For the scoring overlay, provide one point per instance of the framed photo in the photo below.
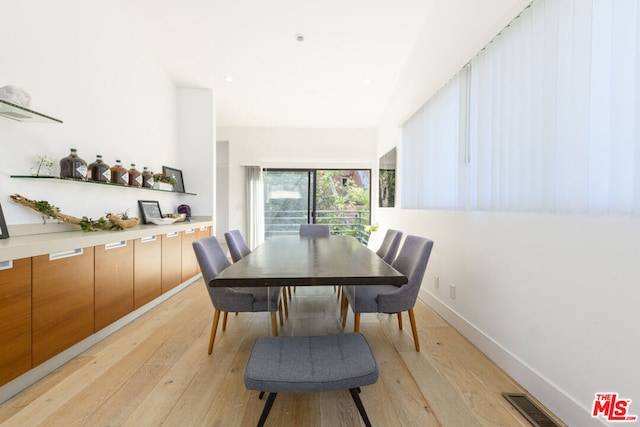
(149, 209)
(4, 233)
(177, 175)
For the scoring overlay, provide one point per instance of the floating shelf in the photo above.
(21, 114)
(57, 178)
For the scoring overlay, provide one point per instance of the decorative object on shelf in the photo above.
(15, 96)
(176, 174)
(119, 174)
(149, 209)
(135, 176)
(15, 104)
(4, 233)
(177, 217)
(111, 222)
(73, 166)
(99, 171)
(186, 210)
(163, 182)
(42, 166)
(147, 178)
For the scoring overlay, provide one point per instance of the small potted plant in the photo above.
(163, 182)
(42, 166)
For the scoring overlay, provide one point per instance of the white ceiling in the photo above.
(342, 75)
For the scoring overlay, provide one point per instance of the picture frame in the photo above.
(177, 175)
(4, 232)
(149, 209)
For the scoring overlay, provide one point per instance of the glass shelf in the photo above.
(21, 114)
(57, 178)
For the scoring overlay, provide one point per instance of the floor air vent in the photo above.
(530, 410)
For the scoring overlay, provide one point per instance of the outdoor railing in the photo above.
(347, 222)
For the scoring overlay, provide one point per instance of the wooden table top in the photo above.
(300, 261)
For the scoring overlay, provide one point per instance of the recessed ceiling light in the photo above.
(228, 79)
(300, 37)
(368, 80)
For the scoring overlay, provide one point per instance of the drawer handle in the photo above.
(148, 239)
(6, 265)
(173, 234)
(204, 228)
(65, 254)
(115, 245)
(190, 231)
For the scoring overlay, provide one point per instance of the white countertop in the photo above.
(16, 247)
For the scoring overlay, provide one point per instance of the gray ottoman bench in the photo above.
(310, 364)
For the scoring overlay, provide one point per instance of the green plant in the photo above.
(160, 177)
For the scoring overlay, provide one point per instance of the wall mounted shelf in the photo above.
(57, 179)
(21, 114)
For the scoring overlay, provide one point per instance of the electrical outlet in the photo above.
(436, 282)
(452, 291)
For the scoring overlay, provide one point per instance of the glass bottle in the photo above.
(99, 170)
(135, 177)
(73, 166)
(147, 178)
(119, 174)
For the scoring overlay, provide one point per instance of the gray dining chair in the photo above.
(390, 245)
(239, 249)
(237, 246)
(213, 261)
(387, 250)
(412, 262)
(314, 230)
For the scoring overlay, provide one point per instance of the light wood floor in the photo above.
(156, 371)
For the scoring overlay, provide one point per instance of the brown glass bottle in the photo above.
(147, 178)
(135, 177)
(73, 166)
(99, 171)
(119, 174)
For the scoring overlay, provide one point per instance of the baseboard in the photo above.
(562, 405)
(30, 377)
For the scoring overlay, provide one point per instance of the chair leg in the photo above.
(214, 327)
(400, 320)
(284, 299)
(274, 324)
(280, 312)
(414, 329)
(224, 321)
(344, 310)
(360, 406)
(356, 322)
(289, 291)
(267, 408)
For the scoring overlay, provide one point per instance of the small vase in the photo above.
(41, 170)
(163, 186)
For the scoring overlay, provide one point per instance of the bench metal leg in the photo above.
(363, 413)
(267, 407)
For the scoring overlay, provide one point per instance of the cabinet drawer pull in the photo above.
(65, 254)
(173, 234)
(6, 265)
(190, 231)
(148, 239)
(204, 228)
(115, 245)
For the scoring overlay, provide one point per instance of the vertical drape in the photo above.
(433, 150)
(255, 206)
(553, 118)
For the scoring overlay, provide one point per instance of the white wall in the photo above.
(101, 80)
(293, 148)
(550, 298)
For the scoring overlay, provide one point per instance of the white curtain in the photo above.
(555, 109)
(255, 206)
(434, 144)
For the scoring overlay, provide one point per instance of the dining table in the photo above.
(309, 261)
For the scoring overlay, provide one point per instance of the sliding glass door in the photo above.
(339, 198)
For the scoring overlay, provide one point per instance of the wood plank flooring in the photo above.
(156, 371)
